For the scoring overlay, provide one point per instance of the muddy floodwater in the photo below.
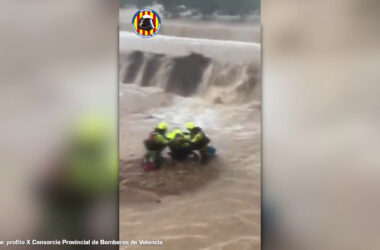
(188, 205)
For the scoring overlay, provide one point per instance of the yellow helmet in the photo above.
(173, 134)
(162, 126)
(190, 125)
(177, 131)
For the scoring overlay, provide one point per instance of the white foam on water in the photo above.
(237, 51)
(200, 207)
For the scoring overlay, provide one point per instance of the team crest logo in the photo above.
(146, 23)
